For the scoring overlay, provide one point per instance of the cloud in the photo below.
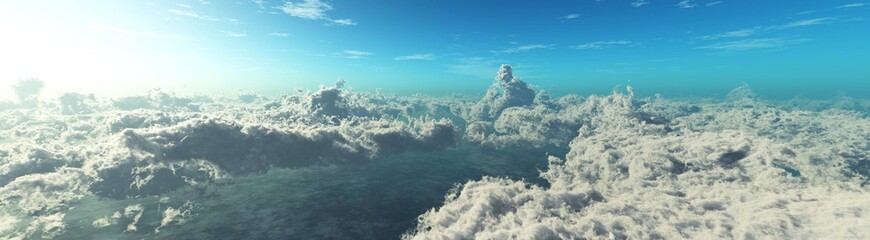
(279, 34)
(570, 16)
(733, 34)
(313, 10)
(419, 56)
(343, 22)
(236, 34)
(639, 3)
(808, 22)
(526, 48)
(602, 44)
(713, 3)
(193, 14)
(146, 34)
(687, 4)
(260, 3)
(853, 5)
(355, 54)
(753, 44)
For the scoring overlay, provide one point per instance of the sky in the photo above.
(673, 47)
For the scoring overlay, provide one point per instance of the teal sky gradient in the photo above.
(673, 47)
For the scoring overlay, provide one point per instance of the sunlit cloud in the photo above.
(526, 48)
(753, 44)
(733, 34)
(808, 22)
(712, 3)
(639, 3)
(313, 10)
(601, 44)
(687, 4)
(570, 16)
(193, 14)
(419, 56)
(853, 5)
(279, 34)
(355, 54)
(235, 34)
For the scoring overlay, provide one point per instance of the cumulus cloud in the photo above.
(622, 171)
(162, 165)
(507, 91)
(313, 10)
(28, 90)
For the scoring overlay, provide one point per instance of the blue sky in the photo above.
(675, 47)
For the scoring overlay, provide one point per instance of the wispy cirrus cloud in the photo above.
(712, 3)
(601, 44)
(733, 34)
(748, 32)
(279, 34)
(853, 5)
(144, 34)
(687, 4)
(235, 34)
(313, 10)
(193, 14)
(419, 56)
(753, 44)
(570, 16)
(355, 54)
(639, 3)
(808, 22)
(526, 48)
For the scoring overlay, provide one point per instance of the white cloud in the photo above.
(687, 4)
(602, 44)
(354, 54)
(753, 44)
(571, 16)
(193, 14)
(713, 3)
(313, 10)
(528, 47)
(419, 56)
(236, 34)
(639, 3)
(279, 34)
(260, 3)
(343, 22)
(732, 34)
(808, 22)
(853, 5)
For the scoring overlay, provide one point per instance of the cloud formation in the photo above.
(313, 10)
(753, 44)
(601, 44)
(419, 56)
(570, 16)
(355, 54)
(528, 47)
